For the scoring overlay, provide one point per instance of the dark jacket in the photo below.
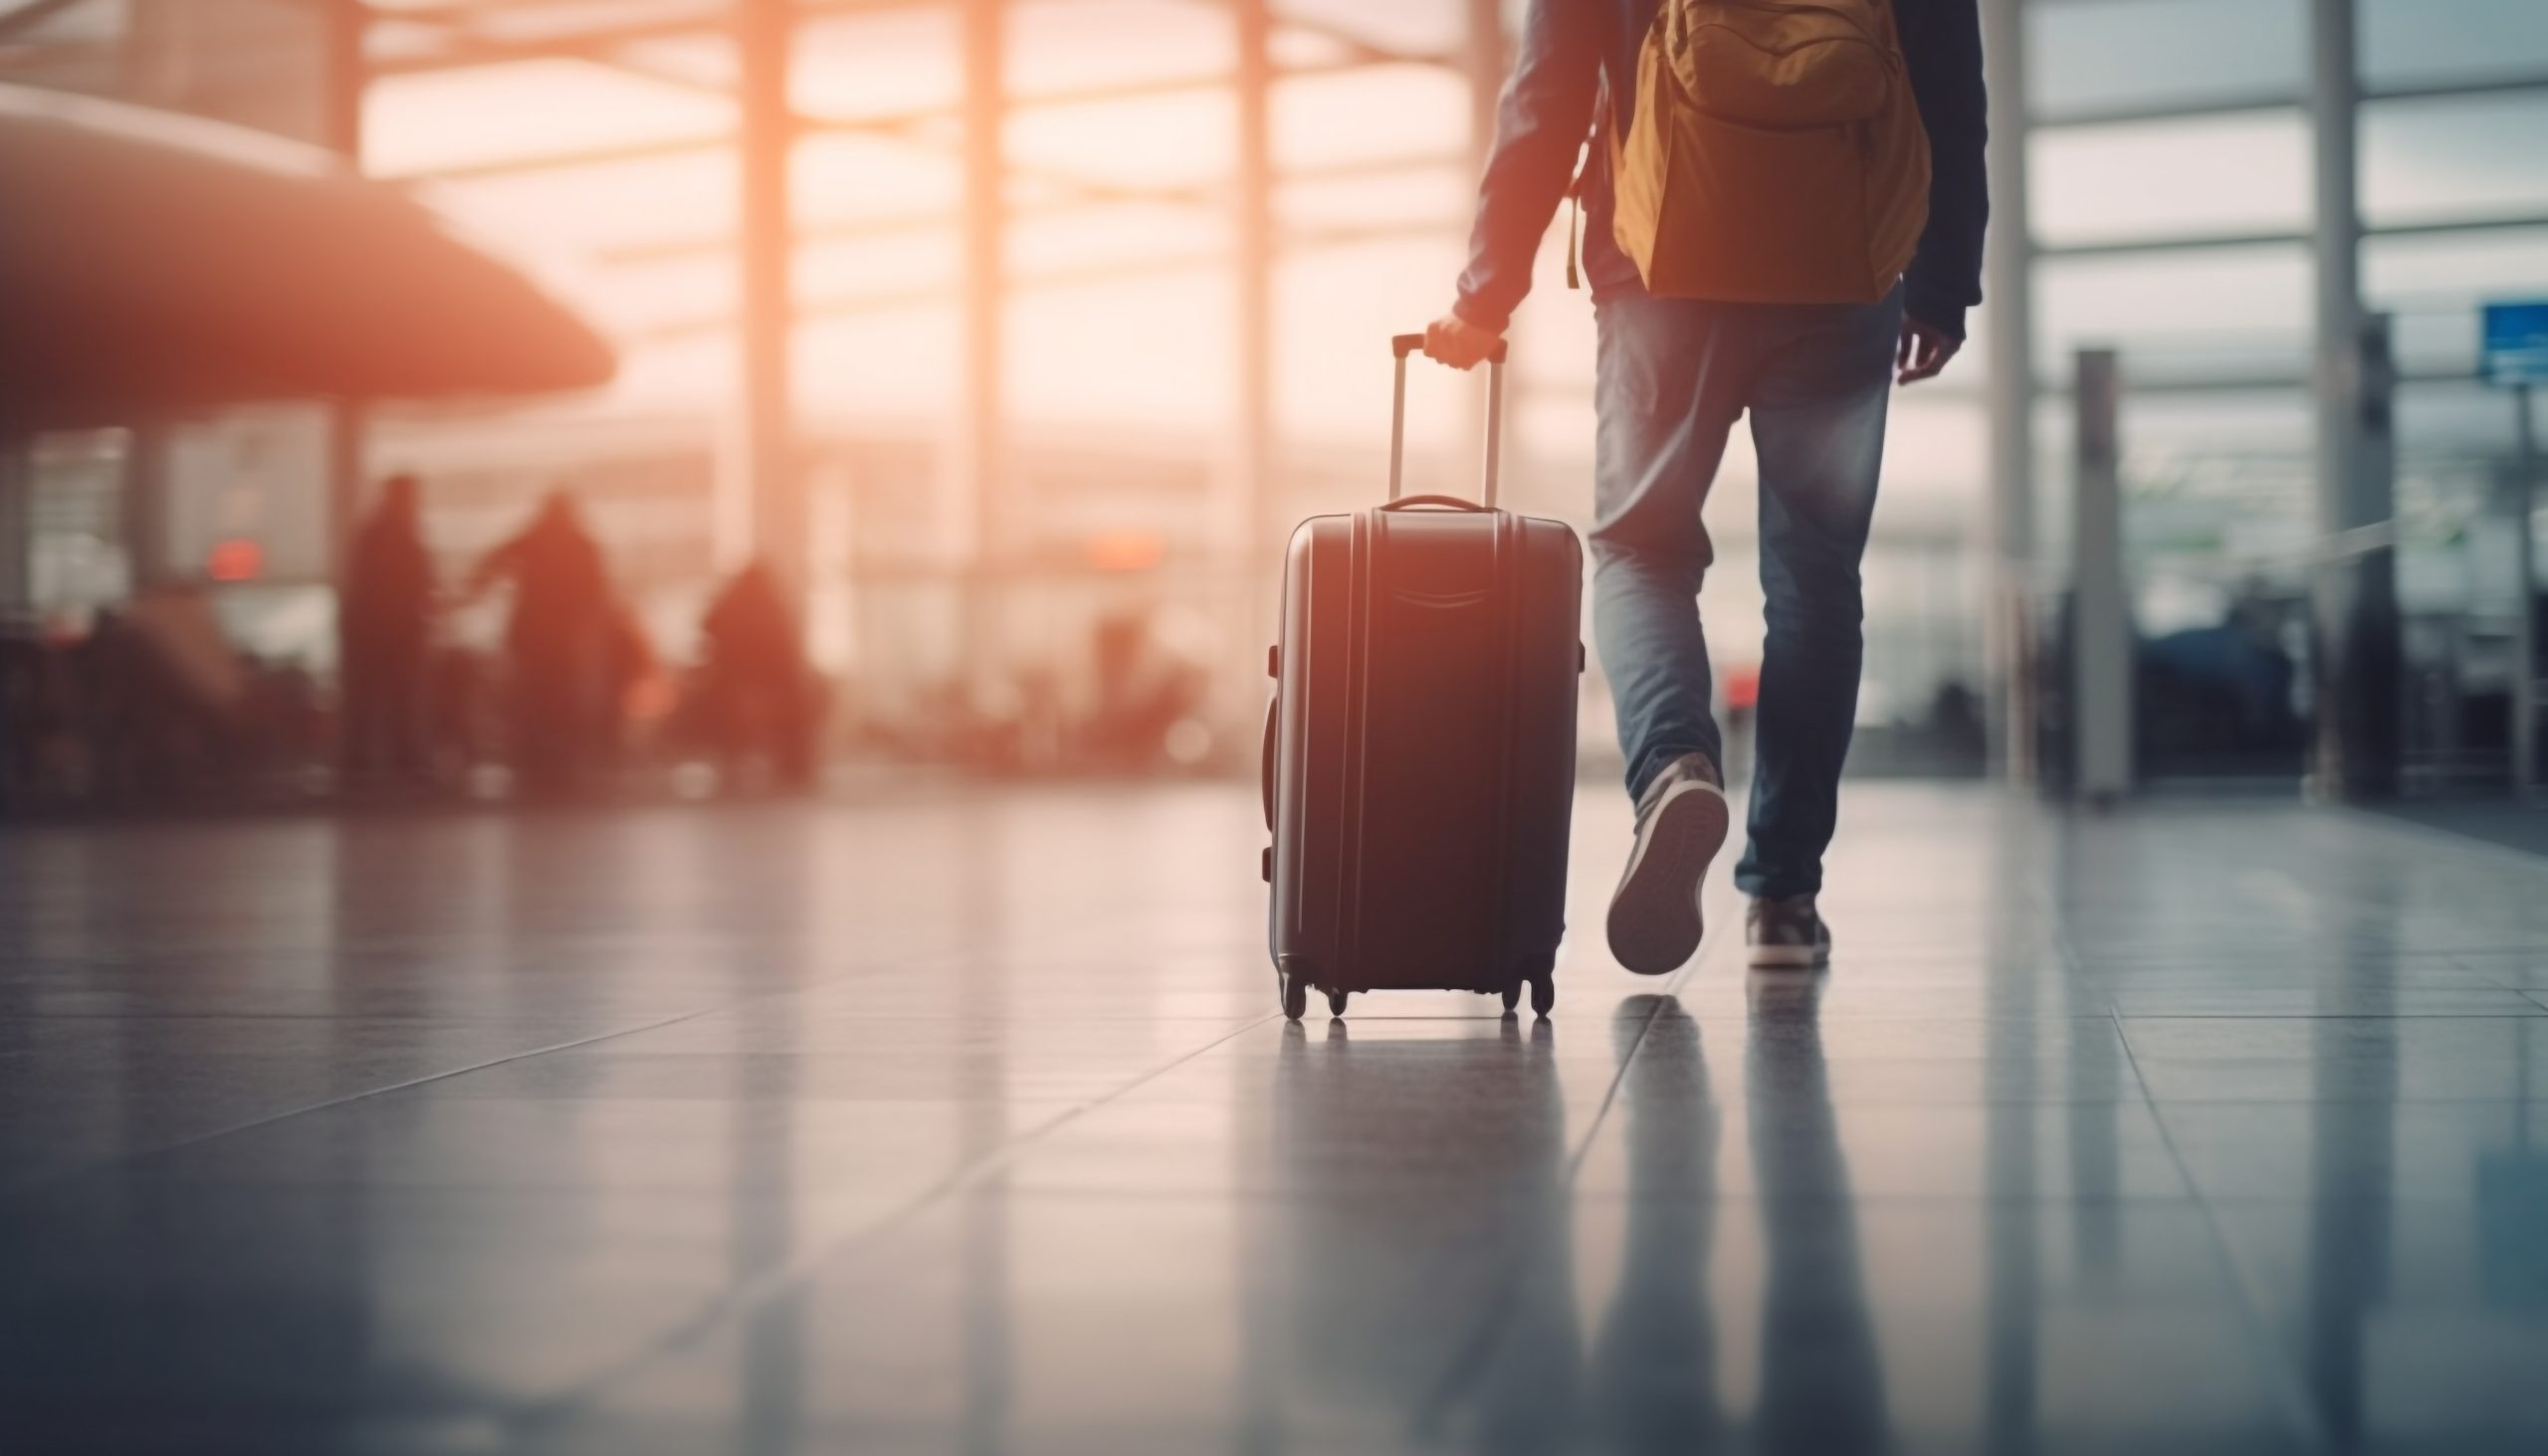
(1572, 53)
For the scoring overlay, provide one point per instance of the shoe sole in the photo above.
(1790, 957)
(1655, 924)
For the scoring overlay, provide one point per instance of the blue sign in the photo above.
(2514, 347)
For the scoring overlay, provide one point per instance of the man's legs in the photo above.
(1670, 386)
(1817, 423)
(1666, 398)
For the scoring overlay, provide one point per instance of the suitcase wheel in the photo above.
(1511, 998)
(1543, 993)
(1296, 995)
(1336, 1003)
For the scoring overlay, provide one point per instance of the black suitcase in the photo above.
(1419, 751)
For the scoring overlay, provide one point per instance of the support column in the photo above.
(2355, 597)
(2010, 608)
(17, 527)
(144, 506)
(346, 76)
(1485, 66)
(763, 33)
(2101, 638)
(2525, 614)
(987, 531)
(1247, 528)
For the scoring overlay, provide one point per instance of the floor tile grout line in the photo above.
(2494, 979)
(2486, 848)
(125, 1162)
(1721, 1198)
(2508, 1013)
(742, 1299)
(1670, 990)
(2279, 1376)
(2288, 1390)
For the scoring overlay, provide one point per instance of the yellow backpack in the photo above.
(1775, 153)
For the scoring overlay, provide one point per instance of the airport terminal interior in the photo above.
(636, 772)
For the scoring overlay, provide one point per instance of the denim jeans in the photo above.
(1674, 376)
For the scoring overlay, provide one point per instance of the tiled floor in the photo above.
(965, 1125)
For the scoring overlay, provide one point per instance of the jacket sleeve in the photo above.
(1941, 43)
(1541, 123)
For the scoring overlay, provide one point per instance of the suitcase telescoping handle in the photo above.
(1403, 344)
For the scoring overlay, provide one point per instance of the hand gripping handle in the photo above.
(1403, 344)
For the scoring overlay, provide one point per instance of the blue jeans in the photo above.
(1674, 376)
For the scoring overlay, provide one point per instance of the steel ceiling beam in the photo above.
(24, 18)
(469, 49)
(1196, 195)
(1075, 276)
(2285, 237)
(2253, 103)
(908, 127)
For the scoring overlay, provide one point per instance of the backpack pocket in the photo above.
(1765, 215)
(1817, 80)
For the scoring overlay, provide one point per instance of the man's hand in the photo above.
(1921, 351)
(1457, 342)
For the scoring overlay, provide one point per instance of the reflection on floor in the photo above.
(966, 1125)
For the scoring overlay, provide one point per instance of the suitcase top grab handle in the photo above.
(1447, 503)
(1403, 344)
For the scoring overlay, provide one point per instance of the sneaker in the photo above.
(1788, 934)
(1680, 825)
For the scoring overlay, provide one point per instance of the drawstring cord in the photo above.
(1575, 220)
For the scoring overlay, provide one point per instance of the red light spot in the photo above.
(1125, 550)
(1743, 687)
(236, 559)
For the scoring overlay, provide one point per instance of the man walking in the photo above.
(387, 617)
(1787, 221)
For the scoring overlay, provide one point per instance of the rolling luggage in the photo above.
(1420, 750)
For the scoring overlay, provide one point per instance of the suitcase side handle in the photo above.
(1403, 344)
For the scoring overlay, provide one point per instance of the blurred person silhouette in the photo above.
(1745, 255)
(1954, 727)
(756, 688)
(632, 671)
(387, 617)
(1143, 690)
(559, 645)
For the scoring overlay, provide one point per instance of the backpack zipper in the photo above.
(1777, 8)
(1870, 43)
(1770, 7)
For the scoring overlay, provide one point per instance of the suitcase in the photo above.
(1420, 750)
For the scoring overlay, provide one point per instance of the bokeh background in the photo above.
(1066, 310)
